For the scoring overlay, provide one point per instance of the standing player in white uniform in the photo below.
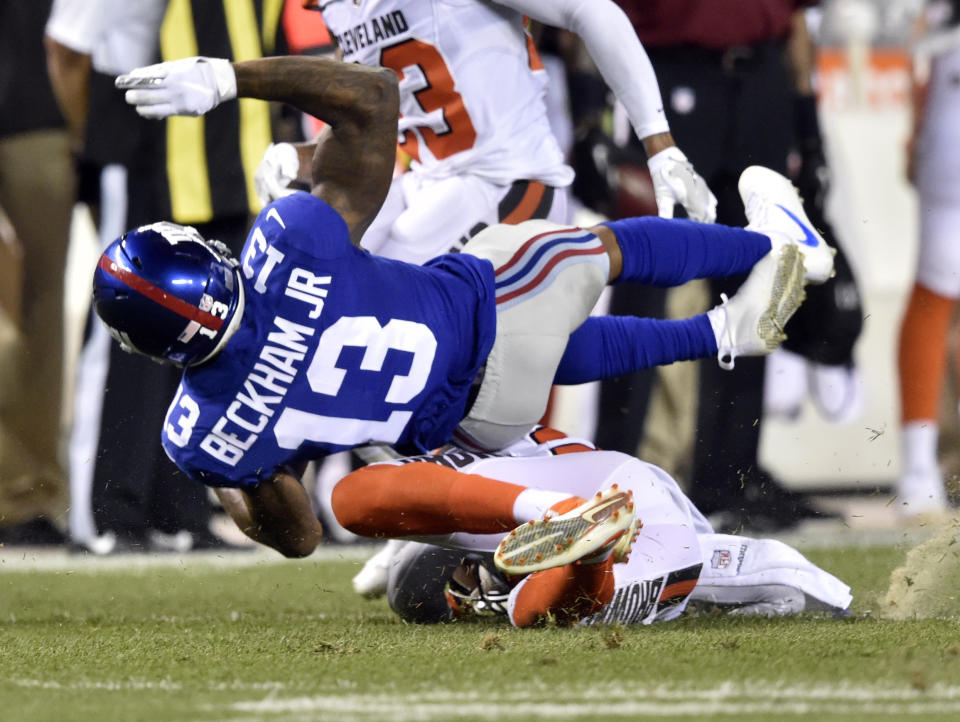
(675, 558)
(934, 166)
(473, 118)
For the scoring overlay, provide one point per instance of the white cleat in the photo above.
(591, 532)
(371, 581)
(836, 391)
(751, 322)
(922, 496)
(774, 209)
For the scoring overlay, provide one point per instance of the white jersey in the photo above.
(937, 154)
(938, 159)
(471, 85)
(676, 556)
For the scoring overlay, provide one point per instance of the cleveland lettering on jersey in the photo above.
(372, 32)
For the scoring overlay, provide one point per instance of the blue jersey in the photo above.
(336, 348)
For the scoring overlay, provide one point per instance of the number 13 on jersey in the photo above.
(325, 379)
(324, 376)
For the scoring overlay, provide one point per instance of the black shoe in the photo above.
(36, 532)
(767, 507)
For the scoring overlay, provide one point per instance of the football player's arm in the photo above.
(353, 163)
(612, 43)
(73, 29)
(286, 166)
(276, 513)
(69, 72)
(623, 63)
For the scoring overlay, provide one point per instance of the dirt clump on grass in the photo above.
(928, 584)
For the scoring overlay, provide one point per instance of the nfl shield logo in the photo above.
(721, 559)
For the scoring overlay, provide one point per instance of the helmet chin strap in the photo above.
(231, 327)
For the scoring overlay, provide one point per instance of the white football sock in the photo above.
(534, 503)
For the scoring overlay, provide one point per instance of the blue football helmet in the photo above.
(165, 292)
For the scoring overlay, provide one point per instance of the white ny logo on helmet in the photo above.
(173, 232)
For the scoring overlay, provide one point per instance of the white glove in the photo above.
(675, 181)
(279, 166)
(191, 86)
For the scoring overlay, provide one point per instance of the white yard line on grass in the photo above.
(614, 700)
(623, 701)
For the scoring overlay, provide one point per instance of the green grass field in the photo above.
(252, 637)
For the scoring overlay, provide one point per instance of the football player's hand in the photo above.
(191, 86)
(279, 167)
(675, 181)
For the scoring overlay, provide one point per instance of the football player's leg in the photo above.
(922, 359)
(764, 576)
(664, 565)
(572, 530)
(565, 594)
(651, 584)
(549, 278)
(669, 252)
(649, 250)
(609, 346)
(750, 323)
(423, 499)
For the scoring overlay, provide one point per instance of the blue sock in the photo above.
(606, 346)
(665, 253)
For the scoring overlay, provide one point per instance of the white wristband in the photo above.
(225, 78)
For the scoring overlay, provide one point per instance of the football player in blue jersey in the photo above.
(308, 345)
